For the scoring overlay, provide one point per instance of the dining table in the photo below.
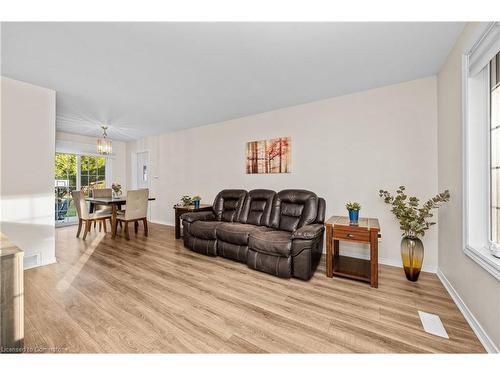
(115, 203)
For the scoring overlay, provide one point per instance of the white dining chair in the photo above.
(85, 217)
(136, 210)
(102, 209)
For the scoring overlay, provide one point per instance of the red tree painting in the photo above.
(269, 156)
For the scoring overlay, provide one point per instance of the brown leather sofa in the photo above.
(278, 233)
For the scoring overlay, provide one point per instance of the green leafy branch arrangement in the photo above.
(353, 206)
(413, 220)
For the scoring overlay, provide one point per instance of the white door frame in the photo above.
(133, 164)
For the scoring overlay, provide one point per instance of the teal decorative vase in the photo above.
(412, 255)
(353, 217)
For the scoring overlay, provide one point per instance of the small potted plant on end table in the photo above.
(196, 201)
(353, 208)
(414, 221)
(186, 200)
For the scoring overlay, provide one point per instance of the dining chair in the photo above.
(102, 208)
(136, 210)
(85, 217)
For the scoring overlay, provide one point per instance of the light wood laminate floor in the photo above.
(153, 295)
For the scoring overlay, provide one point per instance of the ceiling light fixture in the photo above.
(104, 146)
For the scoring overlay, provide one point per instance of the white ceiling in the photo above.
(151, 78)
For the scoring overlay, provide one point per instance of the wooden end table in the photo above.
(179, 210)
(367, 232)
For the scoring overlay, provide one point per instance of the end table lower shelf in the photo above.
(352, 268)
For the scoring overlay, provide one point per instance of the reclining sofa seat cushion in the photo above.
(238, 233)
(254, 216)
(273, 242)
(232, 238)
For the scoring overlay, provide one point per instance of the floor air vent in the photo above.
(432, 324)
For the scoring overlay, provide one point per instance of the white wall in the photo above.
(344, 148)
(83, 144)
(27, 169)
(479, 290)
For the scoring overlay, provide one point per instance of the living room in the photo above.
(250, 187)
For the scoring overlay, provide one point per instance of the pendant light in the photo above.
(104, 146)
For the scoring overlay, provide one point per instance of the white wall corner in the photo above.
(481, 334)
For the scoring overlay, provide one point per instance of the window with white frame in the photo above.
(495, 148)
(481, 105)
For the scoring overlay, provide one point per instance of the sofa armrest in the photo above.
(191, 217)
(308, 232)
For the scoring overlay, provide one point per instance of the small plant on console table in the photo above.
(353, 208)
(186, 200)
(414, 220)
(196, 201)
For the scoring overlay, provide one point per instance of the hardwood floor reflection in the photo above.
(153, 295)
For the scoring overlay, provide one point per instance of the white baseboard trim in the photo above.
(39, 263)
(481, 334)
(397, 263)
(386, 261)
(162, 222)
(48, 261)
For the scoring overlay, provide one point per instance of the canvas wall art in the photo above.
(269, 156)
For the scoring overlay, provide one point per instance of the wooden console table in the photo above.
(179, 210)
(366, 232)
(11, 297)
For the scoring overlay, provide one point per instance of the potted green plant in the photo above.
(196, 201)
(186, 200)
(353, 208)
(414, 220)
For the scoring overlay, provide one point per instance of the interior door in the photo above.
(143, 170)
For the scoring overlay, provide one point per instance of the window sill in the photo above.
(485, 259)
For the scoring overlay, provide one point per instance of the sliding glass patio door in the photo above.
(75, 172)
(92, 173)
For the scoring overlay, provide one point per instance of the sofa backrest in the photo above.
(257, 207)
(320, 216)
(228, 204)
(293, 209)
